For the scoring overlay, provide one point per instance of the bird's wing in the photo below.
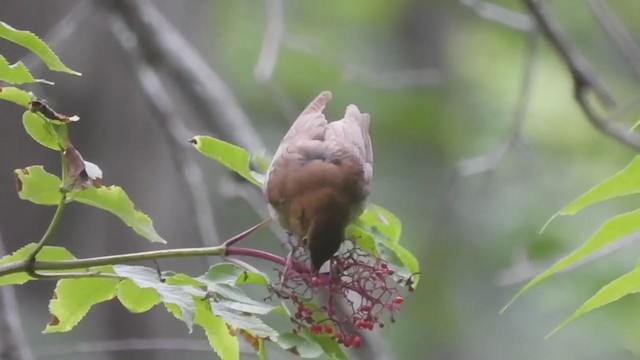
(350, 137)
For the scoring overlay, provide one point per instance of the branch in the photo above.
(162, 45)
(176, 133)
(271, 43)
(620, 35)
(53, 225)
(500, 15)
(64, 265)
(488, 162)
(13, 343)
(583, 77)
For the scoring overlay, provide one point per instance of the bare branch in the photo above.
(13, 344)
(500, 15)
(176, 133)
(620, 35)
(271, 43)
(162, 44)
(583, 77)
(490, 161)
(388, 80)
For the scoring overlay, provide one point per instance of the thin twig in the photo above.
(13, 343)
(583, 77)
(490, 161)
(271, 43)
(176, 134)
(51, 229)
(500, 15)
(620, 35)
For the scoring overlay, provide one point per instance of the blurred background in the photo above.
(477, 142)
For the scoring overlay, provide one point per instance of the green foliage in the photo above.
(300, 345)
(16, 96)
(36, 46)
(16, 73)
(48, 253)
(41, 131)
(74, 297)
(114, 200)
(233, 157)
(38, 186)
(625, 182)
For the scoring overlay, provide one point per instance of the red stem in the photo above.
(256, 254)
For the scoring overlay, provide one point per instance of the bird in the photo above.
(320, 177)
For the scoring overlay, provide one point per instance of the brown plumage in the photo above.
(319, 179)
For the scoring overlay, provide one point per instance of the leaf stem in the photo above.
(53, 225)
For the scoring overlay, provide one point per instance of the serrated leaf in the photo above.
(16, 73)
(222, 342)
(48, 253)
(626, 284)
(73, 299)
(612, 230)
(233, 157)
(362, 238)
(41, 130)
(179, 296)
(625, 182)
(36, 46)
(228, 273)
(297, 344)
(38, 186)
(382, 221)
(114, 200)
(16, 96)
(135, 298)
(250, 323)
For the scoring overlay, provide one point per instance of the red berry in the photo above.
(315, 281)
(301, 307)
(399, 300)
(347, 341)
(339, 336)
(328, 329)
(384, 266)
(365, 308)
(356, 341)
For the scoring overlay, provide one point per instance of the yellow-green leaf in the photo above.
(222, 342)
(612, 230)
(38, 186)
(135, 298)
(233, 157)
(626, 284)
(48, 253)
(16, 96)
(114, 200)
(36, 46)
(41, 130)
(16, 73)
(74, 297)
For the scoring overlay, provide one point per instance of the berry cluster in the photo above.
(360, 280)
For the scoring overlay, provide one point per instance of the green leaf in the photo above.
(362, 238)
(625, 182)
(179, 296)
(238, 299)
(612, 230)
(38, 186)
(299, 345)
(222, 342)
(74, 297)
(114, 200)
(36, 46)
(228, 273)
(626, 284)
(382, 221)
(233, 157)
(328, 344)
(402, 261)
(250, 323)
(136, 299)
(48, 253)
(16, 96)
(16, 73)
(41, 130)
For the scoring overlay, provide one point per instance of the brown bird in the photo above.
(319, 179)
